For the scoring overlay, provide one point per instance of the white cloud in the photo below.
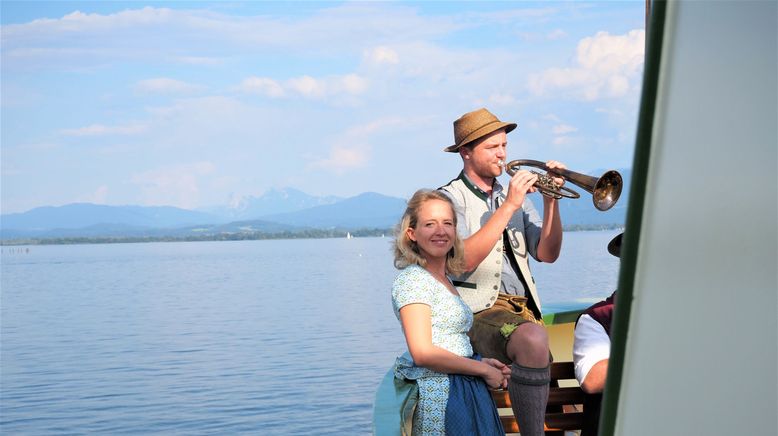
(215, 128)
(262, 85)
(501, 100)
(382, 56)
(84, 41)
(29, 55)
(36, 146)
(80, 22)
(556, 34)
(608, 66)
(512, 16)
(342, 87)
(102, 130)
(356, 155)
(351, 84)
(610, 112)
(431, 70)
(536, 37)
(306, 86)
(364, 130)
(192, 36)
(176, 185)
(561, 140)
(610, 53)
(115, 148)
(99, 196)
(342, 158)
(561, 129)
(164, 85)
(200, 60)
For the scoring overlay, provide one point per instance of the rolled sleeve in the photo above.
(590, 346)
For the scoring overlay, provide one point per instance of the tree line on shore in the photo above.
(245, 236)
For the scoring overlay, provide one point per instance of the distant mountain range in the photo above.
(97, 218)
(274, 201)
(286, 211)
(272, 213)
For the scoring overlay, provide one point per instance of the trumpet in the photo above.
(605, 189)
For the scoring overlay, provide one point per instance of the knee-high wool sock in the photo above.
(528, 390)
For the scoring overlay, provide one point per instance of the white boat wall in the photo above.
(696, 351)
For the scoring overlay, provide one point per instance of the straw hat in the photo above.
(474, 125)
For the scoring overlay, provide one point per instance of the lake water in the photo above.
(257, 337)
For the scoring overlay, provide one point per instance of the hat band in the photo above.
(467, 139)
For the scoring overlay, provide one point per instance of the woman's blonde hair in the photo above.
(406, 251)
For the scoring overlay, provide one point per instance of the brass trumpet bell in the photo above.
(605, 189)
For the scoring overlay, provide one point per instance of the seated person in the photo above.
(435, 322)
(591, 350)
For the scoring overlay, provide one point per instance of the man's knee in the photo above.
(528, 345)
(531, 336)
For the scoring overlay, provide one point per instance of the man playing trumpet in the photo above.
(501, 229)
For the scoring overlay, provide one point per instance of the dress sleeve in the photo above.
(411, 286)
(591, 345)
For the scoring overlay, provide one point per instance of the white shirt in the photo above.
(591, 345)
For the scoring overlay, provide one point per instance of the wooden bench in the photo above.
(565, 399)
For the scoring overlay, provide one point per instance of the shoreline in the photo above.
(247, 236)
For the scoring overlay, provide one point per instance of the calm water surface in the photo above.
(258, 337)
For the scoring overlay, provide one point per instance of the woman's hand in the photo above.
(497, 375)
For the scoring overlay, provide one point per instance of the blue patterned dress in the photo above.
(451, 320)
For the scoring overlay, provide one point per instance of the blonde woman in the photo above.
(435, 322)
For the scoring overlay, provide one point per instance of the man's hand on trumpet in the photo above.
(552, 164)
(522, 182)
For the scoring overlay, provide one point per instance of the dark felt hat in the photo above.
(614, 246)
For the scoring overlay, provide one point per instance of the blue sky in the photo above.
(196, 104)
